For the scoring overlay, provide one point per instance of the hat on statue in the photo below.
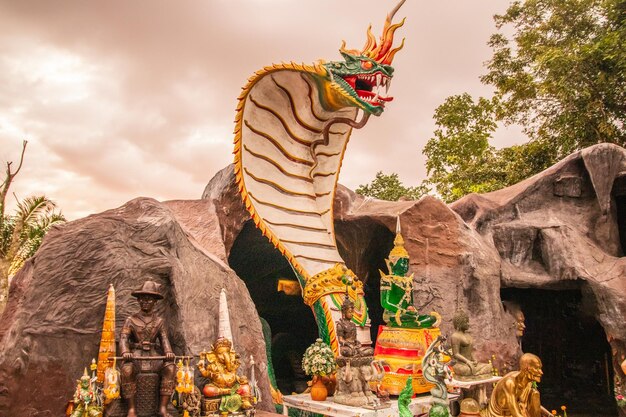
(149, 288)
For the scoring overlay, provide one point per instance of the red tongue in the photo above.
(365, 93)
(351, 79)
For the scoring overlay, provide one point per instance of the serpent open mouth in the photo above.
(370, 87)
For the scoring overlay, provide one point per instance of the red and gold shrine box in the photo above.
(401, 352)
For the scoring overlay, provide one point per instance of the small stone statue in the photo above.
(516, 312)
(220, 366)
(436, 372)
(349, 346)
(353, 381)
(466, 368)
(85, 398)
(144, 335)
(355, 364)
(515, 394)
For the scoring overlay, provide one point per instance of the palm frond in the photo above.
(22, 233)
(44, 224)
(31, 208)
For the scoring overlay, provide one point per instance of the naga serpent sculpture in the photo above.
(293, 123)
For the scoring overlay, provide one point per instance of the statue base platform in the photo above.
(351, 393)
(401, 351)
(147, 399)
(417, 406)
(211, 408)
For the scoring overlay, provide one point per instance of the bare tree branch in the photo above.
(10, 176)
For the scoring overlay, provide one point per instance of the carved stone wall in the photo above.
(51, 327)
(563, 228)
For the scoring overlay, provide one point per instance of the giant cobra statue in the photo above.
(293, 123)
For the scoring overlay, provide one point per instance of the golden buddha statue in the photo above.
(220, 366)
(515, 395)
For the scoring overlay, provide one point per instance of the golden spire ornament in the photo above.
(107, 341)
(398, 250)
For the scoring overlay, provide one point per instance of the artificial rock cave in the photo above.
(554, 241)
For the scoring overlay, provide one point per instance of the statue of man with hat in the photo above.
(145, 334)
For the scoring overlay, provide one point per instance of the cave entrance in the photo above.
(363, 245)
(619, 196)
(562, 331)
(275, 292)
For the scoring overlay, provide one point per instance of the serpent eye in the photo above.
(366, 65)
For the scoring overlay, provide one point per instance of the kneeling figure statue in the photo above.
(515, 394)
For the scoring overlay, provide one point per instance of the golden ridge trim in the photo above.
(287, 209)
(327, 154)
(282, 121)
(298, 226)
(279, 146)
(323, 174)
(312, 258)
(317, 69)
(277, 187)
(312, 244)
(277, 165)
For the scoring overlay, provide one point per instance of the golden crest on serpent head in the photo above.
(331, 281)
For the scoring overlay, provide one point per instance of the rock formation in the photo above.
(51, 327)
(563, 228)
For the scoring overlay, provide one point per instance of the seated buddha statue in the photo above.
(220, 367)
(466, 368)
(396, 290)
(349, 346)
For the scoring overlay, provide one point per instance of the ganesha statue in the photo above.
(225, 391)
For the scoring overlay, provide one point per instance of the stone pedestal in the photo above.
(147, 399)
(401, 352)
(353, 382)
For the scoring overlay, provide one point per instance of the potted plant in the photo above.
(319, 361)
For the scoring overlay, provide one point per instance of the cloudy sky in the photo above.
(120, 99)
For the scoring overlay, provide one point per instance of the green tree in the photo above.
(459, 157)
(561, 74)
(388, 187)
(461, 161)
(22, 232)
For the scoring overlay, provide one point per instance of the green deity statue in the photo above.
(396, 291)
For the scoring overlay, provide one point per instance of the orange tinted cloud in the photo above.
(122, 99)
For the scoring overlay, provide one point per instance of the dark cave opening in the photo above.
(562, 331)
(364, 246)
(260, 265)
(619, 197)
